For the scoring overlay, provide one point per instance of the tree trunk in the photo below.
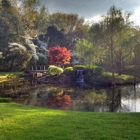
(12, 64)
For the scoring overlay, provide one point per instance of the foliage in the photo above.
(42, 59)
(120, 79)
(56, 91)
(13, 63)
(30, 15)
(5, 99)
(5, 4)
(71, 25)
(54, 70)
(59, 56)
(132, 70)
(68, 69)
(7, 76)
(17, 22)
(96, 69)
(32, 4)
(85, 51)
(11, 27)
(79, 67)
(10, 74)
(34, 18)
(55, 37)
(110, 36)
(111, 42)
(90, 67)
(42, 20)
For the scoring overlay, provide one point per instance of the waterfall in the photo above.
(79, 76)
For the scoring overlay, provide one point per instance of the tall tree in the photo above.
(11, 27)
(13, 63)
(55, 37)
(72, 25)
(85, 51)
(34, 17)
(42, 20)
(111, 35)
(5, 4)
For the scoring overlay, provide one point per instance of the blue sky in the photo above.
(93, 9)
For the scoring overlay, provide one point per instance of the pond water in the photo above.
(95, 99)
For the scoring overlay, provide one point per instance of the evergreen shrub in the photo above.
(95, 69)
(55, 70)
(98, 70)
(79, 67)
(68, 69)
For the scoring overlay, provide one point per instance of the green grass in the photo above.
(132, 70)
(18, 122)
(10, 74)
(6, 76)
(120, 79)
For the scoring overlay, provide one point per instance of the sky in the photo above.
(93, 9)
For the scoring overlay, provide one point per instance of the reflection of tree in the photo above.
(95, 97)
(129, 99)
(91, 101)
(59, 101)
(115, 100)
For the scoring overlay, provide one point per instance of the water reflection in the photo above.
(63, 101)
(120, 99)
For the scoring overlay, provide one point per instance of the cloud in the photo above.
(89, 8)
(94, 19)
(86, 8)
(136, 16)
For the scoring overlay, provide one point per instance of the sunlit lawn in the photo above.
(122, 79)
(18, 122)
(6, 76)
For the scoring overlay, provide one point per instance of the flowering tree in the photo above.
(59, 56)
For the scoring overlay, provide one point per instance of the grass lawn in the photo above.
(6, 76)
(120, 79)
(19, 122)
(132, 70)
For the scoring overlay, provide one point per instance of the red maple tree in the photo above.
(59, 56)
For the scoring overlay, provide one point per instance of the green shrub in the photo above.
(79, 67)
(5, 99)
(91, 67)
(56, 91)
(68, 69)
(98, 70)
(54, 70)
(95, 69)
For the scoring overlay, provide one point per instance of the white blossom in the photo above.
(16, 46)
(1, 53)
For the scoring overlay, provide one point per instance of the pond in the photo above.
(95, 99)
